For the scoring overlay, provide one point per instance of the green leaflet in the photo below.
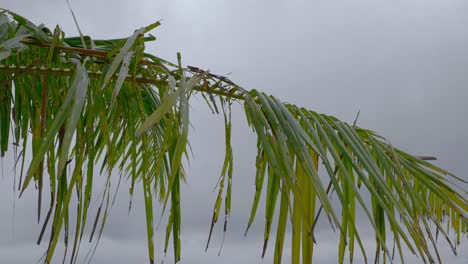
(280, 233)
(225, 171)
(123, 55)
(81, 82)
(271, 197)
(297, 215)
(168, 102)
(168, 233)
(261, 165)
(5, 112)
(149, 219)
(309, 197)
(38, 33)
(122, 75)
(76, 94)
(176, 216)
(6, 48)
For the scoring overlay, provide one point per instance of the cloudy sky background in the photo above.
(402, 63)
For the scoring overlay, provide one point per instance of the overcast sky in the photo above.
(402, 63)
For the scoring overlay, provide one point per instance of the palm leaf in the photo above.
(89, 104)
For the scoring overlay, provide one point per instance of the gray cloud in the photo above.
(403, 63)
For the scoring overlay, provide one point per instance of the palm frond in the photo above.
(81, 103)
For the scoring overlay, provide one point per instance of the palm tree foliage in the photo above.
(83, 107)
